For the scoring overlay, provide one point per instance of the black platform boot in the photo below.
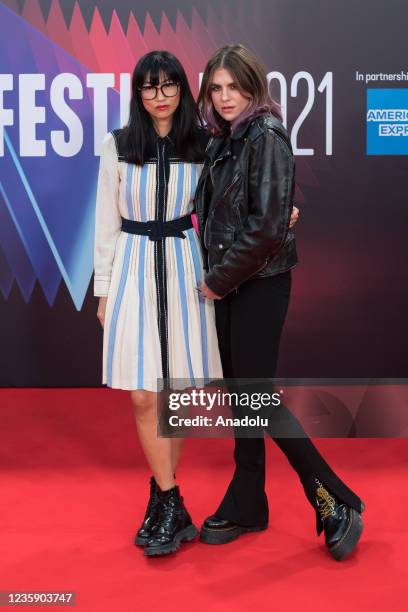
(151, 516)
(216, 530)
(342, 525)
(174, 525)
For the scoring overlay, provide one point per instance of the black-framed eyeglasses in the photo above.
(169, 90)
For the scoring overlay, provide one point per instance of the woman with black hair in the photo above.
(148, 266)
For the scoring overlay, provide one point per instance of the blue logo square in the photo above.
(387, 121)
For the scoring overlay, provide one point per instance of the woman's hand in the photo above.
(101, 310)
(294, 217)
(206, 292)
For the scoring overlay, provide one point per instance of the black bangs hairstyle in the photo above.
(139, 136)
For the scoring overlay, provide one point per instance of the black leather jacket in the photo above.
(243, 204)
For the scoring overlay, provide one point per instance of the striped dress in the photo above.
(157, 326)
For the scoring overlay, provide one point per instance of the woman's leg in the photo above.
(253, 354)
(167, 523)
(157, 450)
(268, 300)
(245, 321)
(176, 448)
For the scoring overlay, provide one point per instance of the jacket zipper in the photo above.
(214, 163)
(228, 189)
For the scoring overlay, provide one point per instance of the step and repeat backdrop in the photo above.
(340, 72)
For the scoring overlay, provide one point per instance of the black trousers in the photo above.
(249, 326)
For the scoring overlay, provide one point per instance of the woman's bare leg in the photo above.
(158, 451)
(176, 448)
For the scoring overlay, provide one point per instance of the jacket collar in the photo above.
(218, 148)
(221, 147)
(242, 129)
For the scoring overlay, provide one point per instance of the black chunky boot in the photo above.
(174, 525)
(342, 525)
(216, 530)
(151, 516)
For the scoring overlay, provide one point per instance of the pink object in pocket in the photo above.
(194, 220)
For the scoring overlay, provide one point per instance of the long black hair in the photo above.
(139, 135)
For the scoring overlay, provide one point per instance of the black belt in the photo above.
(156, 230)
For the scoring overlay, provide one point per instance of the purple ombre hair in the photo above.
(250, 76)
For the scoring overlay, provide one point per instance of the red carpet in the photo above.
(73, 491)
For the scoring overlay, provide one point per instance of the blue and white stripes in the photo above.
(132, 352)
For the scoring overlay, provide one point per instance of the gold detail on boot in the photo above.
(325, 501)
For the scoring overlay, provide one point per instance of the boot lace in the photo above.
(325, 502)
(153, 500)
(167, 515)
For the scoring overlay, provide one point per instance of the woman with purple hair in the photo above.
(243, 203)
